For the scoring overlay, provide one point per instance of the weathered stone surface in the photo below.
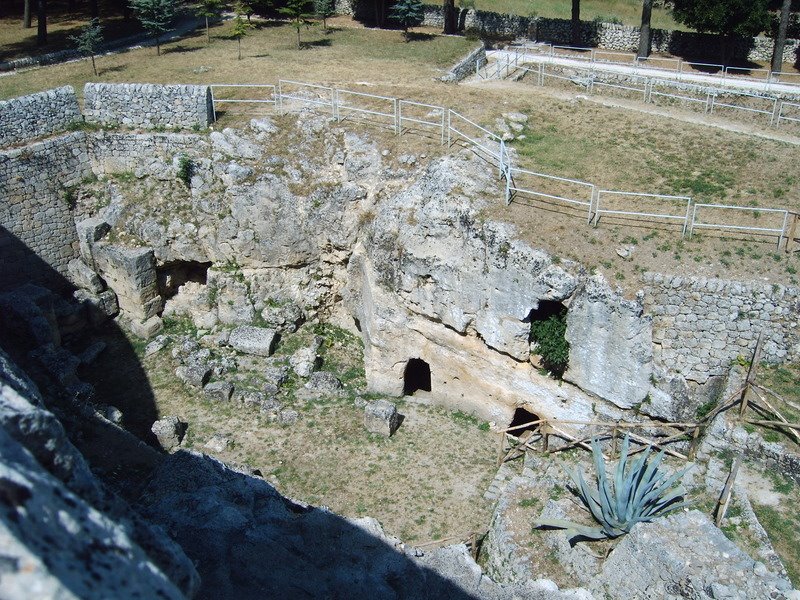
(218, 391)
(131, 273)
(610, 344)
(146, 329)
(253, 340)
(219, 442)
(322, 382)
(148, 105)
(194, 375)
(286, 416)
(684, 554)
(82, 276)
(169, 431)
(100, 307)
(307, 360)
(230, 143)
(37, 115)
(381, 417)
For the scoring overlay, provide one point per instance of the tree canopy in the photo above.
(725, 17)
(155, 16)
(89, 40)
(407, 13)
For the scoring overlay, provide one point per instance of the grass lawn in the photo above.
(628, 12)
(268, 53)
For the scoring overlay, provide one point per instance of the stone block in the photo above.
(381, 417)
(146, 329)
(82, 276)
(323, 382)
(218, 391)
(169, 432)
(194, 375)
(253, 340)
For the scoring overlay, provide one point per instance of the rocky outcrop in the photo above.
(610, 344)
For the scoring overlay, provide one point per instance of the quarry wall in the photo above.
(36, 115)
(685, 328)
(148, 105)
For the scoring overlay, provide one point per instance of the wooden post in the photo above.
(614, 442)
(752, 371)
(473, 542)
(790, 239)
(694, 443)
(502, 449)
(724, 499)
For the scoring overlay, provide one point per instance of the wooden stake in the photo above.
(502, 449)
(694, 443)
(752, 371)
(724, 499)
(791, 237)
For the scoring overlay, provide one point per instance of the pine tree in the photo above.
(155, 16)
(209, 9)
(324, 9)
(240, 27)
(407, 13)
(297, 11)
(89, 40)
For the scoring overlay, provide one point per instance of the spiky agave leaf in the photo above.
(640, 493)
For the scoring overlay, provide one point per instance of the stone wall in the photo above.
(142, 154)
(701, 326)
(28, 117)
(466, 66)
(611, 36)
(148, 105)
(36, 221)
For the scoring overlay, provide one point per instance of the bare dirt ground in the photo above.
(424, 483)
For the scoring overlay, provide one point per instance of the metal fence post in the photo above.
(334, 103)
(448, 128)
(502, 149)
(694, 219)
(397, 125)
(777, 103)
(443, 126)
(541, 74)
(508, 186)
(213, 102)
(280, 97)
(686, 219)
(783, 229)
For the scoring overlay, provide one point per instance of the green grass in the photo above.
(628, 12)
(782, 530)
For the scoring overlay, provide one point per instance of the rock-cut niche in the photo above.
(173, 275)
(417, 376)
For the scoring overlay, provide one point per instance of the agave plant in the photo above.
(639, 492)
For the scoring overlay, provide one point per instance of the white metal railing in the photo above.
(340, 103)
(452, 124)
(695, 224)
(658, 198)
(440, 123)
(308, 93)
(215, 100)
(512, 188)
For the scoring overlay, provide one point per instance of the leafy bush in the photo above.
(638, 493)
(185, 170)
(549, 335)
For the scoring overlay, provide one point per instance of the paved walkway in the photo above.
(742, 84)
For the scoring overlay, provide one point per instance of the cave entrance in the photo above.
(172, 276)
(521, 417)
(548, 336)
(417, 376)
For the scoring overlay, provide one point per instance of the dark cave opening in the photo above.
(548, 323)
(171, 276)
(545, 310)
(521, 417)
(417, 376)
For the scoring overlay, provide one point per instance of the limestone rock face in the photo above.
(682, 555)
(169, 432)
(131, 273)
(610, 344)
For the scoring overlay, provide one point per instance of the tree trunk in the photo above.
(298, 35)
(208, 33)
(26, 15)
(94, 66)
(644, 31)
(449, 15)
(725, 42)
(576, 23)
(158, 45)
(94, 9)
(239, 40)
(780, 40)
(41, 23)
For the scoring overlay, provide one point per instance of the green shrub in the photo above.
(549, 335)
(185, 170)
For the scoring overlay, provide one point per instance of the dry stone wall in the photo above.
(610, 36)
(148, 105)
(25, 118)
(701, 326)
(36, 221)
(140, 153)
